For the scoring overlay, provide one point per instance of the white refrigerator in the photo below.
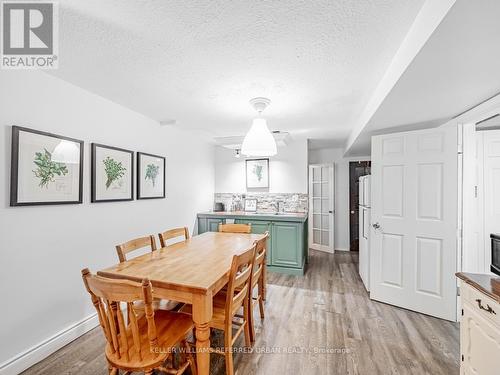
(364, 230)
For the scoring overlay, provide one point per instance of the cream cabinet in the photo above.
(479, 333)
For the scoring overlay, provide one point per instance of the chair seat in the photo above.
(171, 328)
(218, 310)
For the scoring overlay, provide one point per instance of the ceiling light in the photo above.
(259, 141)
(66, 152)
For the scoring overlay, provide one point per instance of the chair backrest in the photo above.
(107, 296)
(135, 244)
(260, 257)
(239, 281)
(235, 228)
(173, 233)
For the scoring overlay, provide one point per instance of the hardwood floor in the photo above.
(327, 309)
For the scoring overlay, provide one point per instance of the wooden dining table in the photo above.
(191, 271)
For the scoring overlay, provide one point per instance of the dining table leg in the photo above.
(202, 314)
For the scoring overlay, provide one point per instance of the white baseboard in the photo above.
(35, 354)
(339, 249)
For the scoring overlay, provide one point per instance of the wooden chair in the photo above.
(135, 244)
(258, 279)
(173, 233)
(226, 305)
(235, 228)
(147, 340)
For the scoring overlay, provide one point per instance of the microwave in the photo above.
(495, 253)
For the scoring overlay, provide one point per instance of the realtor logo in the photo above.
(29, 35)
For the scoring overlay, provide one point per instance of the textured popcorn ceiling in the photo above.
(199, 62)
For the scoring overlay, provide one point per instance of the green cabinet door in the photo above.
(209, 224)
(213, 224)
(202, 225)
(259, 227)
(286, 244)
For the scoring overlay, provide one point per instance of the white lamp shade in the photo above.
(259, 141)
(66, 152)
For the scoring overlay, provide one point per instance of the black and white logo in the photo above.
(29, 39)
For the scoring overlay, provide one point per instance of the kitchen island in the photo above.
(288, 245)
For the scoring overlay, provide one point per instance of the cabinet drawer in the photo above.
(476, 300)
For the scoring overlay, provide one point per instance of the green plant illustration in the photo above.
(152, 172)
(114, 170)
(47, 169)
(257, 170)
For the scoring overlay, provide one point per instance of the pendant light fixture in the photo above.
(259, 141)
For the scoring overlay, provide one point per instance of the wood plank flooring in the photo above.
(322, 323)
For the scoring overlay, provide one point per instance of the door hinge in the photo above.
(462, 357)
(462, 312)
(458, 294)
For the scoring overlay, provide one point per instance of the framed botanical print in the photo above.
(112, 174)
(257, 171)
(150, 176)
(45, 168)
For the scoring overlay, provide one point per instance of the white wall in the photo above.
(43, 249)
(287, 170)
(335, 155)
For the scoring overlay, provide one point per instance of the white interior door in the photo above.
(414, 220)
(321, 207)
(491, 171)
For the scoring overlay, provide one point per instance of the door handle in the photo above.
(364, 234)
(376, 225)
(487, 308)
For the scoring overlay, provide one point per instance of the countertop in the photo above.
(483, 283)
(286, 216)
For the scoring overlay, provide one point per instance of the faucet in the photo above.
(279, 207)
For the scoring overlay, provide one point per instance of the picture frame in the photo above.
(46, 168)
(112, 174)
(250, 205)
(150, 176)
(257, 173)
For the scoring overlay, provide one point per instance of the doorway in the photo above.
(356, 170)
(481, 206)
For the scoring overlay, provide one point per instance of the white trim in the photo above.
(35, 354)
(341, 249)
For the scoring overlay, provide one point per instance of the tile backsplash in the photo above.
(266, 202)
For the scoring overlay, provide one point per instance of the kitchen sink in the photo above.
(272, 213)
